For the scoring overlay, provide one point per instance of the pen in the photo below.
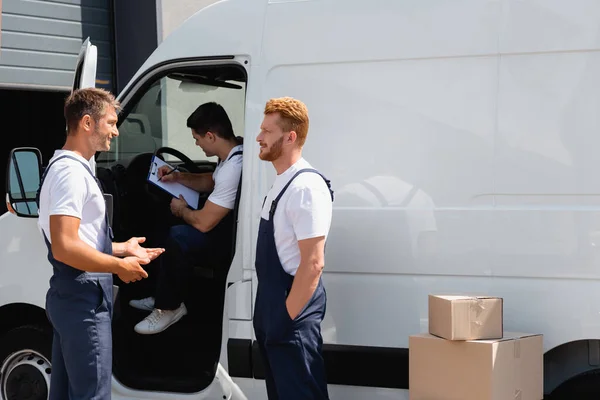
(168, 173)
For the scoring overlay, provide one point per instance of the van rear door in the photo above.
(85, 69)
(85, 76)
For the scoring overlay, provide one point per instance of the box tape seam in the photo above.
(518, 377)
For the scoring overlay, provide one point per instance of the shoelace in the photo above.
(155, 316)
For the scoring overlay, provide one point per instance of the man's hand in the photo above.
(68, 248)
(312, 261)
(131, 270)
(132, 248)
(163, 177)
(178, 205)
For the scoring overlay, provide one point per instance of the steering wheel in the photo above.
(187, 162)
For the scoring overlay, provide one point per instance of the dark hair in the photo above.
(87, 101)
(211, 117)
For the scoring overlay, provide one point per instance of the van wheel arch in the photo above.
(25, 363)
(571, 365)
(21, 314)
(584, 386)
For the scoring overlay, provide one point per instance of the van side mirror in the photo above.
(23, 180)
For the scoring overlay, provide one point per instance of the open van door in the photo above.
(85, 76)
(85, 69)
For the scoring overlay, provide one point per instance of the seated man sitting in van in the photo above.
(203, 228)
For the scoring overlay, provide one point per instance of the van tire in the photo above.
(584, 386)
(25, 369)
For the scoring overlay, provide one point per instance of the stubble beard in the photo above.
(100, 141)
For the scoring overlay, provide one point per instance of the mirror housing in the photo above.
(23, 178)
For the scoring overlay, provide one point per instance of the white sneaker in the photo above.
(143, 304)
(159, 320)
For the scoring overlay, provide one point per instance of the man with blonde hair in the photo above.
(290, 254)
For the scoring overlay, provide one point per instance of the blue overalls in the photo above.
(79, 306)
(291, 349)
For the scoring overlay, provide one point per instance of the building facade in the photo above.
(39, 45)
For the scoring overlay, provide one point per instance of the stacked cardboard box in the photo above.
(467, 355)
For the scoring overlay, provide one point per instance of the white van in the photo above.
(461, 139)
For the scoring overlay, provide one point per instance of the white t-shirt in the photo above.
(69, 189)
(303, 212)
(227, 177)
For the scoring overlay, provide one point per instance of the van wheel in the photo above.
(25, 367)
(585, 386)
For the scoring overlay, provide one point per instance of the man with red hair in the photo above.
(290, 256)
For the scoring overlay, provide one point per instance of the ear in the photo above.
(292, 138)
(211, 136)
(86, 123)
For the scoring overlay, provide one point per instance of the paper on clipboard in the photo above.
(173, 188)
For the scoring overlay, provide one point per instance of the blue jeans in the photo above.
(184, 247)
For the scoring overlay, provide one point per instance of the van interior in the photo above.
(45, 132)
(184, 357)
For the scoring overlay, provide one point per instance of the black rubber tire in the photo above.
(585, 386)
(26, 337)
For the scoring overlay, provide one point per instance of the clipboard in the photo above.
(173, 188)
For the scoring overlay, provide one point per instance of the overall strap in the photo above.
(237, 153)
(276, 201)
(87, 167)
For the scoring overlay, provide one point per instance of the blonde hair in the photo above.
(293, 116)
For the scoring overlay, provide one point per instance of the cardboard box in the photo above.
(507, 369)
(465, 317)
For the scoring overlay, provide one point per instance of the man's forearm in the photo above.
(305, 284)
(118, 249)
(79, 255)
(199, 182)
(194, 218)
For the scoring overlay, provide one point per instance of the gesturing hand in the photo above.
(133, 248)
(131, 270)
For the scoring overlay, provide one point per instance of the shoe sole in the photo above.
(141, 307)
(165, 328)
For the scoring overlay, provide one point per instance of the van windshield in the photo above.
(158, 117)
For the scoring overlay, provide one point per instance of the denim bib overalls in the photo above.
(79, 307)
(291, 349)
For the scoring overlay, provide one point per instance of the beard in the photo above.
(272, 153)
(100, 141)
